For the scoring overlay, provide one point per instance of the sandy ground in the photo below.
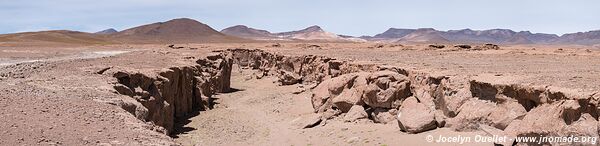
(54, 96)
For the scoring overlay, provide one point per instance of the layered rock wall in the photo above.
(177, 91)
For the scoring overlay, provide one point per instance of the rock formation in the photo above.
(417, 101)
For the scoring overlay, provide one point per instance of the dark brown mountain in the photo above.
(181, 30)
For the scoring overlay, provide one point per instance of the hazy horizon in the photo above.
(351, 17)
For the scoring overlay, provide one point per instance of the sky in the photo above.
(348, 17)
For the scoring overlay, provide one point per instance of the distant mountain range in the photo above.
(499, 36)
(186, 30)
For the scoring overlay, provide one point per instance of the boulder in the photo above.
(385, 116)
(385, 87)
(471, 114)
(342, 92)
(505, 113)
(347, 99)
(355, 113)
(560, 118)
(352, 95)
(289, 78)
(320, 95)
(424, 97)
(415, 117)
(587, 125)
(307, 121)
(338, 84)
(450, 104)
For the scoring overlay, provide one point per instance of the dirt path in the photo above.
(262, 113)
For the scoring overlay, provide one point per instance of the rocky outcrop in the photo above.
(175, 92)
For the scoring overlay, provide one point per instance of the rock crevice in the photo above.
(177, 91)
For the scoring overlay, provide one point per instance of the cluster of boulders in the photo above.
(384, 96)
(418, 102)
(162, 97)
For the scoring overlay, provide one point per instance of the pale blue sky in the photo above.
(351, 17)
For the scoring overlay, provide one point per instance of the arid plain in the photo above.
(176, 88)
